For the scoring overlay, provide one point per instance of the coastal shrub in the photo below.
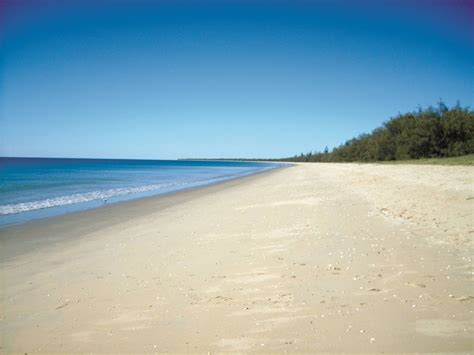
(425, 133)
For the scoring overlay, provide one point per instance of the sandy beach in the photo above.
(315, 257)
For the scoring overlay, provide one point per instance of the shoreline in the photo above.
(72, 223)
(316, 258)
(17, 213)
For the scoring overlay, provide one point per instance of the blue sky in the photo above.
(164, 80)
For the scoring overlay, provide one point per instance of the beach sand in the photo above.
(315, 257)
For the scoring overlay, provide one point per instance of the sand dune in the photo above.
(316, 257)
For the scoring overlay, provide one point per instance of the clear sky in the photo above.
(156, 79)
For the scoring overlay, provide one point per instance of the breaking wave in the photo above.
(77, 198)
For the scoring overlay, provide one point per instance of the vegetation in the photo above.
(462, 160)
(426, 133)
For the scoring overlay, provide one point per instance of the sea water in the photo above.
(33, 188)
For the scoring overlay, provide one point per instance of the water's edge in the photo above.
(95, 205)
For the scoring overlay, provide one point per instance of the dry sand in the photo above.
(316, 257)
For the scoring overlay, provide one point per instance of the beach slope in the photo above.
(315, 257)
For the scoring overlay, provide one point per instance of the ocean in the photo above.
(34, 188)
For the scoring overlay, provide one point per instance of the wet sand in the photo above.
(316, 257)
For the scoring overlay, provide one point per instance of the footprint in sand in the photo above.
(375, 290)
(219, 299)
(465, 298)
(414, 284)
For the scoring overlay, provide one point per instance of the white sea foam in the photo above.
(77, 198)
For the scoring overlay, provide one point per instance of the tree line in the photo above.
(425, 133)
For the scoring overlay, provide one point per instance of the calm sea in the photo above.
(33, 188)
